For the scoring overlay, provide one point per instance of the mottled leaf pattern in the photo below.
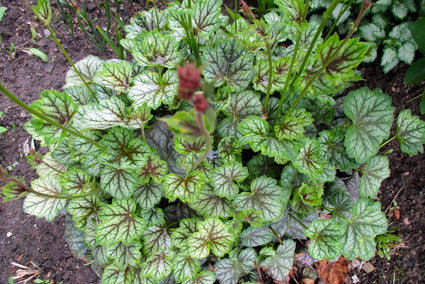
(120, 223)
(212, 235)
(41, 206)
(372, 116)
(229, 62)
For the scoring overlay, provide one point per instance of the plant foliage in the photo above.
(159, 196)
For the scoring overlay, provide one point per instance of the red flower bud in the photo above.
(189, 80)
(200, 103)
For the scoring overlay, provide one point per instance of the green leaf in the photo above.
(212, 235)
(295, 228)
(49, 167)
(119, 183)
(372, 32)
(333, 150)
(308, 160)
(40, 54)
(311, 195)
(230, 270)
(184, 146)
(410, 132)
(277, 263)
(62, 153)
(406, 52)
(326, 239)
(258, 236)
(158, 265)
(125, 255)
(203, 277)
(87, 67)
(377, 169)
(84, 210)
(399, 10)
(40, 206)
(372, 116)
(239, 107)
(154, 168)
(43, 11)
(108, 113)
(280, 68)
(228, 62)
(112, 275)
(418, 33)
(185, 267)
(74, 238)
(187, 227)
(123, 151)
(156, 49)
(57, 106)
(156, 239)
(261, 165)
(389, 58)
(229, 149)
(224, 179)
(119, 223)
(339, 199)
(76, 182)
(255, 132)
(265, 196)
(290, 128)
(154, 89)
(152, 216)
(148, 21)
(115, 75)
(186, 189)
(209, 204)
(206, 15)
(184, 125)
(366, 222)
(148, 195)
(161, 138)
(416, 72)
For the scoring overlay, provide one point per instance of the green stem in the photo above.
(13, 98)
(417, 97)
(290, 78)
(298, 220)
(269, 84)
(29, 189)
(56, 40)
(333, 212)
(201, 124)
(388, 141)
(235, 20)
(353, 29)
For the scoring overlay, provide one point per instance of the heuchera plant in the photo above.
(222, 142)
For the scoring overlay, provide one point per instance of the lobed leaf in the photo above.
(212, 235)
(410, 132)
(41, 206)
(377, 169)
(372, 116)
(120, 224)
(277, 262)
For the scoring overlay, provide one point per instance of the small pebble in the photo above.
(9, 234)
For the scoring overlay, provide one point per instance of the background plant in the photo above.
(385, 25)
(149, 202)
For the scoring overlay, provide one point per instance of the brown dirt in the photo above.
(36, 240)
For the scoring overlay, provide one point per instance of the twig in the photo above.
(392, 201)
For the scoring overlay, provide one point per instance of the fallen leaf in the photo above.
(397, 213)
(333, 272)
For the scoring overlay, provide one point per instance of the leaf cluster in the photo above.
(145, 211)
(385, 25)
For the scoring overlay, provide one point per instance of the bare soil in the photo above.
(24, 238)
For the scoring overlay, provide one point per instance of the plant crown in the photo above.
(249, 157)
